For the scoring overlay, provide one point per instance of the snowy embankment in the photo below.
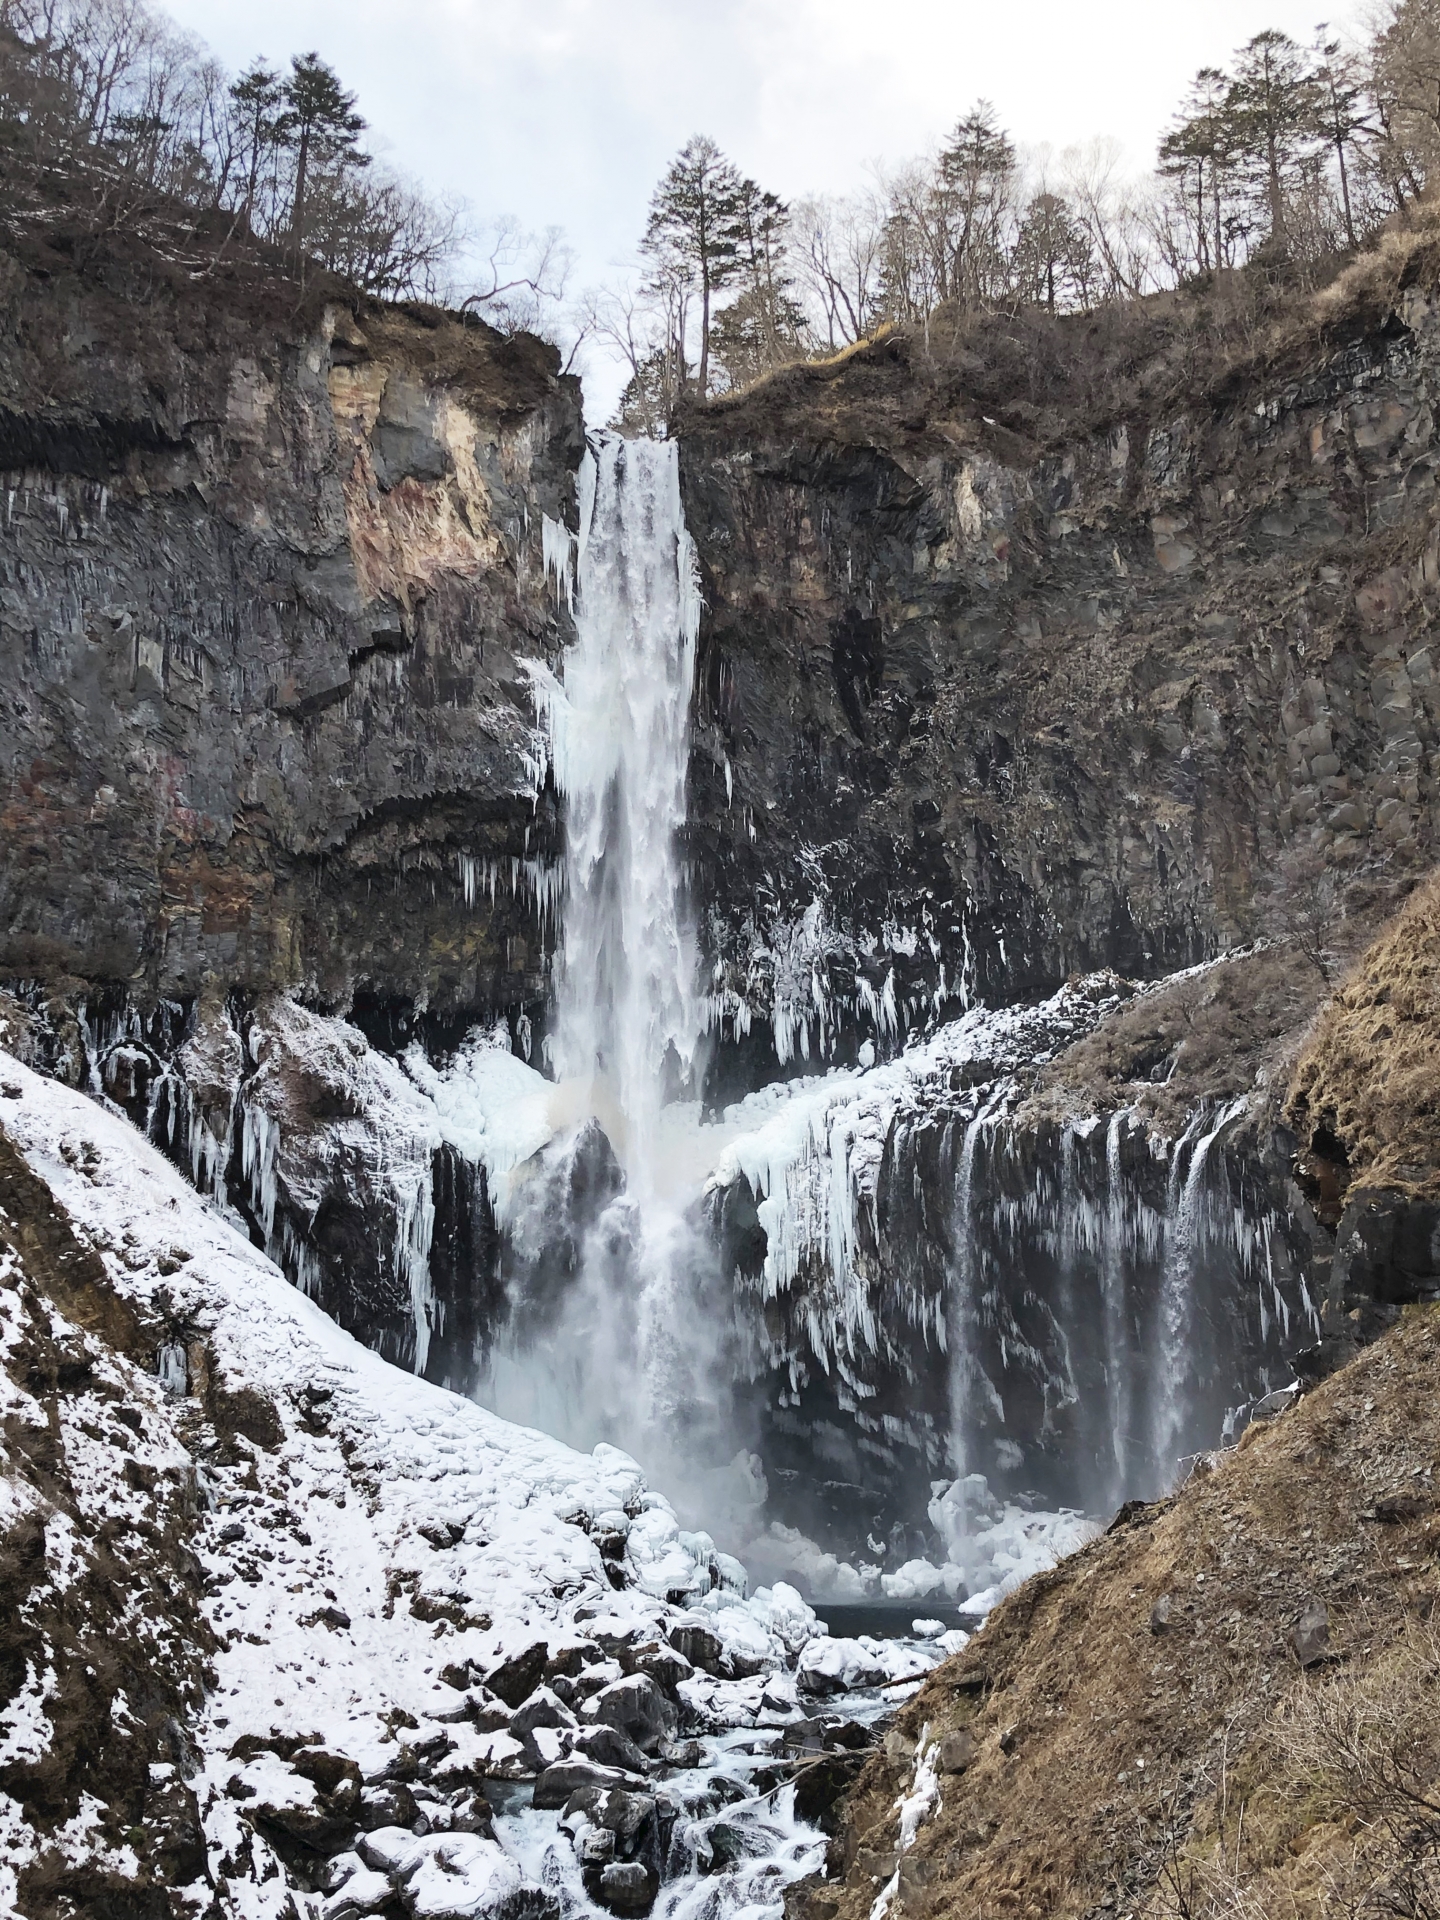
(411, 1599)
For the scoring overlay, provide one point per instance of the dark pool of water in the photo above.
(848, 1619)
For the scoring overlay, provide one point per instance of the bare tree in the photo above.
(839, 254)
(1112, 210)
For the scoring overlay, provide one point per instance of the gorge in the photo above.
(785, 955)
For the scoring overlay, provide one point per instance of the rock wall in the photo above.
(993, 692)
(986, 696)
(271, 570)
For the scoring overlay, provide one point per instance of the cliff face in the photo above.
(272, 569)
(1009, 667)
(996, 690)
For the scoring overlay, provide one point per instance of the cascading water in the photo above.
(626, 1012)
(625, 1350)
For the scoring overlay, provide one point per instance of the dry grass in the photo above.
(1212, 1036)
(1369, 1076)
(1248, 1801)
(1024, 381)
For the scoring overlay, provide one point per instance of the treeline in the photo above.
(113, 119)
(1282, 164)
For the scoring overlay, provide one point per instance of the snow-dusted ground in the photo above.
(810, 1150)
(374, 1545)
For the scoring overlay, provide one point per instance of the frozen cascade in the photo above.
(1112, 1288)
(949, 1280)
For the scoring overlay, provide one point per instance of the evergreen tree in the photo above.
(1200, 155)
(762, 325)
(1272, 106)
(1054, 262)
(1405, 89)
(320, 123)
(974, 181)
(694, 232)
(258, 98)
(1343, 117)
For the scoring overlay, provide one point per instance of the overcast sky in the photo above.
(564, 112)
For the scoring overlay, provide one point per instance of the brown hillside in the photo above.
(1369, 1079)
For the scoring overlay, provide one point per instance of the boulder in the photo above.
(625, 1887)
(542, 1709)
(665, 1666)
(292, 1808)
(455, 1876)
(836, 1666)
(957, 1750)
(517, 1677)
(594, 1846)
(544, 1726)
(337, 1870)
(697, 1645)
(389, 1805)
(1310, 1635)
(488, 1713)
(625, 1814)
(609, 1747)
(556, 1784)
(820, 1783)
(363, 1892)
(638, 1708)
(722, 1844)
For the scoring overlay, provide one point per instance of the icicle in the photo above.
(557, 546)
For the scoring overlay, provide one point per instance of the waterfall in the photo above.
(622, 1345)
(1113, 1287)
(1177, 1285)
(627, 1015)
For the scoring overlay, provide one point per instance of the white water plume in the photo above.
(627, 1012)
(627, 1352)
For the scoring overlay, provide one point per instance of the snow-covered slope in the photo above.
(359, 1551)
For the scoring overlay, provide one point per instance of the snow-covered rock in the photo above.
(363, 1533)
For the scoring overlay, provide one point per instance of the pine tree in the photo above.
(974, 179)
(258, 97)
(694, 231)
(1054, 262)
(1343, 116)
(762, 325)
(1272, 104)
(321, 124)
(1200, 155)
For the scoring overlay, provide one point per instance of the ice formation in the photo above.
(812, 1150)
